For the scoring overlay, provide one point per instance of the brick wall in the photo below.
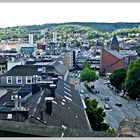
(108, 59)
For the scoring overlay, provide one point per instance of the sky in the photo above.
(15, 14)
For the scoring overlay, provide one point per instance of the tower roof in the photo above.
(114, 41)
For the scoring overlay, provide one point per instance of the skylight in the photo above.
(68, 98)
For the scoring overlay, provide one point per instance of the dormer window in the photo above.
(9, 79)
(19, 80)
(29, 80)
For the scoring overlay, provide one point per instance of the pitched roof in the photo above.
(67, 89)
(115, 53)
(70, 114)
(22, 70)
(2, 60)
(53, 67)
(114, 40)
(59, 67)
(67, 107)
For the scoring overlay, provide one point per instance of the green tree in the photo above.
(77, 43)
(132, 83)
(117, 78)
(96, 115)
(88, 75)
(85, 64)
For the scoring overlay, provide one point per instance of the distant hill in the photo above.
(104, 27)
(88, 30)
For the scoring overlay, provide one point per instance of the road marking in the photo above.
(113, 119)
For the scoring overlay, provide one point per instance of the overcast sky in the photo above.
(15, 14)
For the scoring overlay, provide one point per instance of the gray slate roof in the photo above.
(115, 53)
(70, 114)
(59, 67)
(114, 41)
(22, 70)
(67, 107)
(2, 60)
(30, 70)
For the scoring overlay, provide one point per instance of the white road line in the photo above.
(113, 119)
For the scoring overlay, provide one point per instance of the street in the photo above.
(115, 114)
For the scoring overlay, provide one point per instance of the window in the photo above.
(29, 80)
(9, 80)
(39, 78)
(19, 80)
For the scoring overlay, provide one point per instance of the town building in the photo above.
(55, 110)
(113, 58)
(3, 65)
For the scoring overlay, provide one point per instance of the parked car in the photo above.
(106, 106)
(118, 104)
(121, 94)
(97, 91)
(106, 98)
(92, 86)
(117, 91)
(107, 82)
(86, 96)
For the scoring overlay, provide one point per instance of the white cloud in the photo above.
(13, 14)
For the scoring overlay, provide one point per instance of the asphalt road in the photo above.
(115, 114)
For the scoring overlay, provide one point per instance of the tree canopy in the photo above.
(132, 83)
(96, 115)
(88, 75)
(117, 78)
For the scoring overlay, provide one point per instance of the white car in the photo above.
(106, 106)
(121, 94)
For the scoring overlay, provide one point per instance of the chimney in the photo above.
(46, 84)
(55, 80)
(20, 102)
(19, 113)
(49, 105)
(52, 89)
(56, 75)
(43, 69)
(42, 113)
(16, 101)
